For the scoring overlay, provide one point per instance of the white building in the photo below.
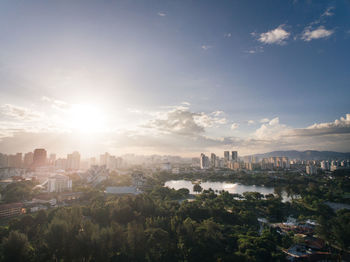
(325, 165)
(311, 170)
(59, 183)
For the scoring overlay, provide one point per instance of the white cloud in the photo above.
(227, 35)
(276, 36)
(251, 122)
(19, 113)
(275, 121)
(217, 113)
(206, 120)
(177, 132)
(323, 136)
(234, 126)
(328, 11)
(186, 103)
(180, 120)
(206, 47)
(271, 130)
(56, 104)
(264, 120)
(162, 14)
(255, 50)
(342, 122)
(309, 34)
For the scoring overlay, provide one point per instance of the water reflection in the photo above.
(232, 188)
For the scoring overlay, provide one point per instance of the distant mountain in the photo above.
(306, 155)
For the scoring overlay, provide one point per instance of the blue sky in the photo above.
(174, 76)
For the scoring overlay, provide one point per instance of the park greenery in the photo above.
(164, 224)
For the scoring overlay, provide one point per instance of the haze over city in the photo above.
(178, 131)
(165, 77)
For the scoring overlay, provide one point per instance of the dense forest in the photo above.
(161, 225)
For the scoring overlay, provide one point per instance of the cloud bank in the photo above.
(172, 130)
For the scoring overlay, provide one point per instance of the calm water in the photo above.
(227, 186)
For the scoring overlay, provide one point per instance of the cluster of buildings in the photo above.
(230, 160)
(275, 163)
(334, 165)
(309, 247)
(314, 167)
(30, 159)
(39, 159)
(252, 163)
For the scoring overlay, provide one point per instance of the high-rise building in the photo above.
(234, 155)
(28, 159)
(52, 159)
(119, 162)
(195, 162)
(285, 162)
(61, 163)
(73, 161)
(213, 160)
(254, 160)
(204, 161)
(3, 160)
(39, 158)
(311, 170)
(104, 159)
(279, 162)
(15, 160)
(325, 165)
(227, 156)
(112, 163)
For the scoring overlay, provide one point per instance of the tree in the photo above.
(17, 191)
(16, 248)
(57, 238)
(184, 192)
(341, 229)
(158, 245)
(136, 240)
(197, 188)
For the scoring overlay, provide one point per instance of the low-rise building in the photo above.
(122, 190)
(59, 183)
(11, 210)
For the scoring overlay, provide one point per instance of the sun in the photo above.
(86, 118)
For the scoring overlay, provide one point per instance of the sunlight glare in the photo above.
(86, 119)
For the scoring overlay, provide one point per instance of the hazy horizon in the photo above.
(174, 78)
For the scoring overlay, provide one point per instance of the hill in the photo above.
(306, 155)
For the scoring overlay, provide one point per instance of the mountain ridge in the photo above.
(305, 155)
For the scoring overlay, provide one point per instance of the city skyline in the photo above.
(164, 130)
(174, 78)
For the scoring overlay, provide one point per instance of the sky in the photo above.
(174, 77)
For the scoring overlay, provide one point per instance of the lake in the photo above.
(226, 186)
